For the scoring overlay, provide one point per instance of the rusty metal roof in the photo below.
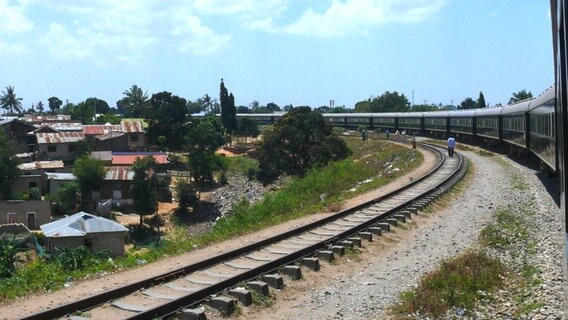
(131, 126)
(65, 126)
(59, 137)
(130, 158)
(42, 165)
(98, 129)
(108, 136)
(46, 118)
(120, 173)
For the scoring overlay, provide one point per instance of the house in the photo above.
(18, 131)
(128, 158)
(134, 131)
(116, 185)
(42, 166)
(27, 181)
(31, 213)
(113, 141)
(96, 233)
(38, 119)
(56, 180)
(57, 146)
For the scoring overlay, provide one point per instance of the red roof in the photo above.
(59, 137)
(131, 126)
(121, 173)
(98, 129)
(123, 159)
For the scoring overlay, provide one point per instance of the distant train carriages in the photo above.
(436, 122)
(261, 118)
(410, 121)
(487, 123)
(462, 122)
(384, 120)
(514, 118)
(542, 128)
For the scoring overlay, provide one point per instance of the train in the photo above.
(524, 126)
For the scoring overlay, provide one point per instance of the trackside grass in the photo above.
(374, 162)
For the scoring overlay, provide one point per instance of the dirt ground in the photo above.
(103, 282)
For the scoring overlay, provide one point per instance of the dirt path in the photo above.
(103, 282)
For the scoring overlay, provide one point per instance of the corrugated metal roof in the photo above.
(129, 159)
(108, 136)
(59, 137)
(98, 129)
(65, 126)
(119, 173)
(102, 155)
(46, 118)
(131, 126)
(39, 165)
(60, 176)
(80, 224)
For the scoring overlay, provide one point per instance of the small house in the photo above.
(31, 213)
(58, 146)
(96, 233)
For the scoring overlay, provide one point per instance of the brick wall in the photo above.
(42, 210)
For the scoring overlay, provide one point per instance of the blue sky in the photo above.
(283, 51)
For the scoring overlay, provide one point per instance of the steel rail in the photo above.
(172, 306)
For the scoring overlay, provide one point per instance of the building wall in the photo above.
(112, 241)
(61, 153)
(140, 142)
(42, 210)
(24, 182)
(63, 242)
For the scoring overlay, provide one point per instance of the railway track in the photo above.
(166, 294)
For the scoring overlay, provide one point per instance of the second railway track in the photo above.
(166, 294)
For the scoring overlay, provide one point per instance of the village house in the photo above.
(116, 185)
(134, 132)
(18, 131)
(96, 233)
(58, 146)
(31, 213)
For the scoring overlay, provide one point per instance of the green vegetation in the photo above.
(459, 283)
(370, 160)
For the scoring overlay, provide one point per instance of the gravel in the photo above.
(367, 292)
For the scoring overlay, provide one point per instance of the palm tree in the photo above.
(135, 100)
(521, 95)
(8, 101)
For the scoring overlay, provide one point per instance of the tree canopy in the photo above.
(299, 141)
(204, 137)
(9, 170)
(228, 109)
(9, 101)
(134, 101)
(467, 103)
(90, 173)
(481, 101)
(387, 102)
(143, 188)
(54, 103)
(521, 95)
(166, 116)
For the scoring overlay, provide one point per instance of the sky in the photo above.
(299, 52)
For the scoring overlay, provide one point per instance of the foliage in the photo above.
(67, 197)
(424, 107)
(9, 249)
(9, 170)
(467, 103)
(228, 109)
(54, 103)
(299, 141)
(248, 128)
(521, 95)
(480, 103)
(77, 258)
(459, 283)
(204, 137)
(387, 102)
(9, 101)
(34, 194)
(84, 147)
(166, 116)
(40, 107)
(134, 101)
(186, 195)
(90, 173)
(143, 188)
(108, 118)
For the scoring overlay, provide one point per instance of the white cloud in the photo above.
(250, 8)
(13, 19)
(117, 31)
(357, 16)
(13, 48)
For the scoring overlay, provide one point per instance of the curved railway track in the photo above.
(168, 293)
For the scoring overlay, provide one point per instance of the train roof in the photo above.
(543, 98)
(518, 107)
(462, 113)
(495, 111)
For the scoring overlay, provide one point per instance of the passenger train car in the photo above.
(527, 125)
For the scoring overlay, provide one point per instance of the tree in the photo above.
(424, 107)
(206, 104)
(143, 188)
(521, 95)
(40, 107)
(135, 101)
(288, 107)
(467, 103)
(248, 128)
(481, 101)
(166, 116)
(90, 174)
(186, 195)
(10, 102)
(9, 170)
(84, 112)
(243, 109)
(54, 103)
(67, 197)
(273, 107)
(228, 109)
(204, 137)
(108, 118)
(193, 107)
(299, 141)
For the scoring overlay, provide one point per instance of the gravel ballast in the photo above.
(365, 289)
